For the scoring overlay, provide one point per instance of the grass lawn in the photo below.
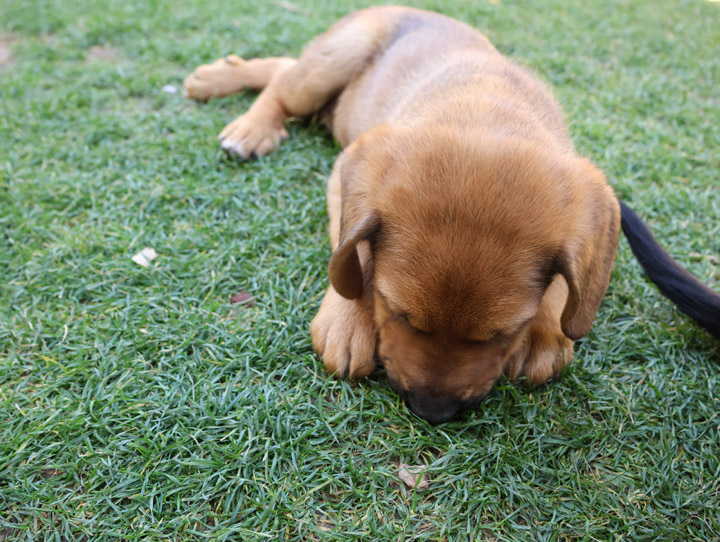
(140, 404)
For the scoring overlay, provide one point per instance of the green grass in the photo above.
(139, 404)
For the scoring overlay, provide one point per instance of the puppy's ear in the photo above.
(587, 259)
(346, 273)
(364, 163)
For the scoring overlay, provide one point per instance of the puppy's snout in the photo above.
(434, 408)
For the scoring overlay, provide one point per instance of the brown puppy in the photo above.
(469, 238)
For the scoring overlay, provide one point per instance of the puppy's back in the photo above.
(436, 70)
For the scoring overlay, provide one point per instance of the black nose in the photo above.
(432, 407)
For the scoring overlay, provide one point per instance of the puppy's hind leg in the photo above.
(232, 74)
(321, 73)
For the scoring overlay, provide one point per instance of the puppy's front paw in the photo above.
(547, 358)
(541, 357)
(343, 335)
(544, 350)
(249, 136)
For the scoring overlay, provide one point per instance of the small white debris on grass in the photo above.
(145, 256)
(413, 477)
(170, 89)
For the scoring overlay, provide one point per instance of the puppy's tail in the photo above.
(689, 294)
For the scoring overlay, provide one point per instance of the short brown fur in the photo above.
(469, 238)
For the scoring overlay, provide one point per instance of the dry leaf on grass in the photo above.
(5, 50)
(325, 525)
(243, 298)
(145, 256)
(413, 477)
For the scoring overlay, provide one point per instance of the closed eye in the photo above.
(401, 317)
(492, 335)
(404, 319)
(478, 342)
(502, 336)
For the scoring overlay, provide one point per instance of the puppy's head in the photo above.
(466, 235)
